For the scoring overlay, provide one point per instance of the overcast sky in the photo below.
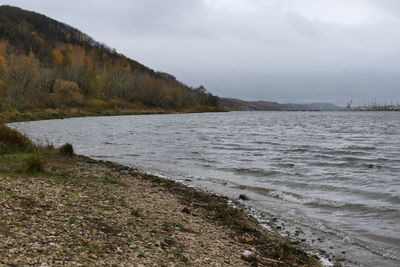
(280, 50)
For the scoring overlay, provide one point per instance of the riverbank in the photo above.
(58, 209)
(48, 114)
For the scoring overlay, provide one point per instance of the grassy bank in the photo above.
(62, 209)
(46, 114)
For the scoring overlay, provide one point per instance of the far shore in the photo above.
(48, 114)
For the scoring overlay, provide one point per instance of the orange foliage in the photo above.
(68, 93)
(58, 56)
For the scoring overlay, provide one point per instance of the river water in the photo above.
(335, 173)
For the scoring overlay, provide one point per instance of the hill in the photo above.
(241, 105)
(316, 107)
(46, 64)
(233, 104)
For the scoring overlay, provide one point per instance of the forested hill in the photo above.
(46, 64)
(233, 104)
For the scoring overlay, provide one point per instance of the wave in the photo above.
(256, 172)
(300, 199)
(293, 197)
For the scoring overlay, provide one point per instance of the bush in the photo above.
(13, 141)
(67, 150)
(67, 93)
(97, 104)
(34, 164)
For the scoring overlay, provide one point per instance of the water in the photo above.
(336, 173)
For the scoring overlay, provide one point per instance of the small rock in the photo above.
(248, 256)
(124, 172)
(247, 253)
(243, 197)
(186, 210)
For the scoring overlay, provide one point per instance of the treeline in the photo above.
(47, 64)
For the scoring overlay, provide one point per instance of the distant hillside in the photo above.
(241, 105)
(316, 106)
(46, 64)
(233, 104)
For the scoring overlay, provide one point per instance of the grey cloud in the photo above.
(255, 49)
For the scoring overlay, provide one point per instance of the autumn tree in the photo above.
(67, 93)
(22, 73)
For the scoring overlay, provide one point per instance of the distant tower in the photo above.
(349, 104)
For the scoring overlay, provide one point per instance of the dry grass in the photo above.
(34, 164)
(13, 141)
(67, 150)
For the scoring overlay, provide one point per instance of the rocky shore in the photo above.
(77, 211)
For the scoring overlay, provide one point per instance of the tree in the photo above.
(67, 93)
(22, 73)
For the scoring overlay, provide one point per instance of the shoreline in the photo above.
(301, 235)
(342, 245)
(53, 114)
(248, 242)
(194, 213)
(246, 221)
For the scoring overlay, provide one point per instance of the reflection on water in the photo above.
(335, 170)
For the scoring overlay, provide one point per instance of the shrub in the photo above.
(67, 93)
(34, 164)
(97, 104)
(67, 150)
(13, 141)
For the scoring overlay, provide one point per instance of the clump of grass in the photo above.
(34, 164)
(67, 150)
(136, 213)
(41, 195)
(180, 257)
(13, 141)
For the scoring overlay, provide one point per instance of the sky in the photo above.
(278, 50)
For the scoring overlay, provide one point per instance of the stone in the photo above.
(243, 197)
(186, 210)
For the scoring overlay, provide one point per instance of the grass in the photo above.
(180, 257)
(34, 164)
(136, 213)
(13, 141)
(67, 150)
(40, 114)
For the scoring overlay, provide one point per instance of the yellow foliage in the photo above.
(3, 88)
(3, 63)
(97, 103)
(68, 93)
(3, 49)
(127, 68)
(58, 56)
(117, 103)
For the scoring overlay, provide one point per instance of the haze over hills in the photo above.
(241, 105)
